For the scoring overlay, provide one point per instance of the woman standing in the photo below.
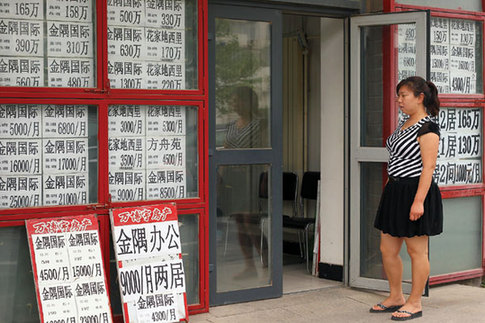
(410, 209)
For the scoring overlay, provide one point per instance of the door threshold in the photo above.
(297, 279)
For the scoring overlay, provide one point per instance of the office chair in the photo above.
(309, 190)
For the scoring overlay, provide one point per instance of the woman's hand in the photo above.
(417, 210)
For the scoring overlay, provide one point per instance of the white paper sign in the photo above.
(20, 157)
(21, 37)
(166, 184)
(127, 74)
(440, 54)
(21, 71)
(131, 13)
(65, 155)
(407, 50)
(458, 172)
(68, 269)
(150, 269)
(460, 151)
(159, 308)
(165, 76)
(165, 152)
(65, 189)
(126, 153)
(20, 191)
(20, 121)
(453, 54)
(166, 120)
(165, 45)
(71, 72)
(22, 9)
(70, 39)
(73, 10)
(127, 185)
(166, 14)
(147, 240)
(127, 42)
(126, 120)
(65, 121)
(462, 56)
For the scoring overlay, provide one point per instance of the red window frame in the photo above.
(103, 96)
(447, 100)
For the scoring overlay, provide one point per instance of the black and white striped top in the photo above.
(248, 136)
(403, 146)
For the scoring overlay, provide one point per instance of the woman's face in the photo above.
(408, 103)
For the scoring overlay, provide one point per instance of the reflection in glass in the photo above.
(372, 183)
(373, 178)
(243, 222)
(372, 105)
(459, 248)
(243, 96)
(17, 296)
(189, 236)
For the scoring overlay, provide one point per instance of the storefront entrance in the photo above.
(265, 122)
(244, 153)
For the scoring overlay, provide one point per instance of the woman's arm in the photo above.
(428, 144)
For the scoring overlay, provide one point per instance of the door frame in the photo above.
(358, 153)
(271, 156)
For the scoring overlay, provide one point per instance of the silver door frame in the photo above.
(358, 153)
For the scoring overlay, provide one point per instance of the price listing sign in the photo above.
(68, 269)
(150, 269)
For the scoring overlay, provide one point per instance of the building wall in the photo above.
(332, 141)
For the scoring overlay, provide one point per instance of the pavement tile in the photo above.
(452, 303)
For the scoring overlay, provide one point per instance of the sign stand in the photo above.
(68, 269)
(149, 262)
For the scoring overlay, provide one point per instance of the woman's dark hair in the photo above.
(246, 93)
(419, 85)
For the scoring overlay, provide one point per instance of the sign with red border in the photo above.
(151, 274)
(68, 269)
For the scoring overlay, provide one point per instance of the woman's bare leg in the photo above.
(390, 248)
(418, 251)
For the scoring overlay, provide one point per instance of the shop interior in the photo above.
(301, 150)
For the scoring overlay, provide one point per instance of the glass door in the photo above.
(244, 153)
(384, 49)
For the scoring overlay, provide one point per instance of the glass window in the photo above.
(49, 155)
(48, 43)
(456, 55)
(152, 44)
(471, 5)
(372, 99)
(458, 248)
(152, 152)
(17, 297)
(189, 236)
(243, 96)
(373, 177)
(243, 224)
(460, 152)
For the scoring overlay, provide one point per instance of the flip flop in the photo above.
(405, 318)
(385, 309)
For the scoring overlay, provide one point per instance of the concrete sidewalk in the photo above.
(448, 303)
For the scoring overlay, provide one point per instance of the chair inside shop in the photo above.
(300, 222)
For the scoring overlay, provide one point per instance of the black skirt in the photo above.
(396, 200)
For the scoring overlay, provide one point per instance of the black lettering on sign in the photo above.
(461, 84)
